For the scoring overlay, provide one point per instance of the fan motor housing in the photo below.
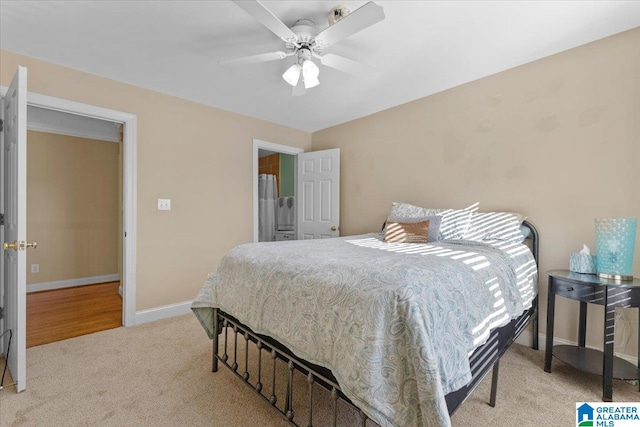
(305, 29)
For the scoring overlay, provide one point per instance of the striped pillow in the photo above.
(496, 226)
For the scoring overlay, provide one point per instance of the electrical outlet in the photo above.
(35, 268)
(164, 204)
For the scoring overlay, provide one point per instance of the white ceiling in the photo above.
(422, 47)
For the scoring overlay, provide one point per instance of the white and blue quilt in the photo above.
(394, 322)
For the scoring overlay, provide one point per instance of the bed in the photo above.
(403, 332)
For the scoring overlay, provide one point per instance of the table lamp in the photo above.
(615, 241)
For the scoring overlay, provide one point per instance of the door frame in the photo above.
(129, 185)
(258, 145)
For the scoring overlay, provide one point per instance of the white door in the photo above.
(318, 189)
(14, 205)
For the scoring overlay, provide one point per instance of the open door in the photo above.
(318, 190)
(13, 203)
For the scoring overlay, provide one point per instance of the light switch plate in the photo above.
(164, 204)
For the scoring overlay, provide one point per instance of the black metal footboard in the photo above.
(269, 353)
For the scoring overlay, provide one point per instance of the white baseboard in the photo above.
(526, 337)
(61, 284)
(164, 312)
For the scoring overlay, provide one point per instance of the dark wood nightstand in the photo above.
(589, 288)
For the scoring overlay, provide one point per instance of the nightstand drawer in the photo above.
(582, 292)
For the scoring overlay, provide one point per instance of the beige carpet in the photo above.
(158, 374)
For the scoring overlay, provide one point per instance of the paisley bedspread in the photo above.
(394, 322)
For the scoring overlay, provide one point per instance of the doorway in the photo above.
(73, 210)
(128, 185)
(271, 149)
(316, 189)
(15, 285)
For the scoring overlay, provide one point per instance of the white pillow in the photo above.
(454, 225)
(496, 226)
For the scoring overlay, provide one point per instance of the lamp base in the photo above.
(616, 277)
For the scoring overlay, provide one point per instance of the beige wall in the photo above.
(72, 206)
(557, 139)
(187, 152)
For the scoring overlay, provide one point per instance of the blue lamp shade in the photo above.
(615, 241)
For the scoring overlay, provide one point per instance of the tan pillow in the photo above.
(406, 232)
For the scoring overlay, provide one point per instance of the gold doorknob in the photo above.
(334, 228)
(19, 245)
(6, 246)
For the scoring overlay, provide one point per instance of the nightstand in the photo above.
(590, 289)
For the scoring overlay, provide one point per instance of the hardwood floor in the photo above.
(66, 313)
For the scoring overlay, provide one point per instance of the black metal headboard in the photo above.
(533, 235)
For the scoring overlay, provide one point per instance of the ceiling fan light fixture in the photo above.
(310, 72)
(311, 82)
(292, 75)
(309, 69)
(303, 41)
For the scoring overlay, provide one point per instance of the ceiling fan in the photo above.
(302, 42)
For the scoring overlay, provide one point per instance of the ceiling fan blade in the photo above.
(268, 19)
(347, 65)
(254, 59)
(356, 21)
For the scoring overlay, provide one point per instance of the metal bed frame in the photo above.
(270, 351)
